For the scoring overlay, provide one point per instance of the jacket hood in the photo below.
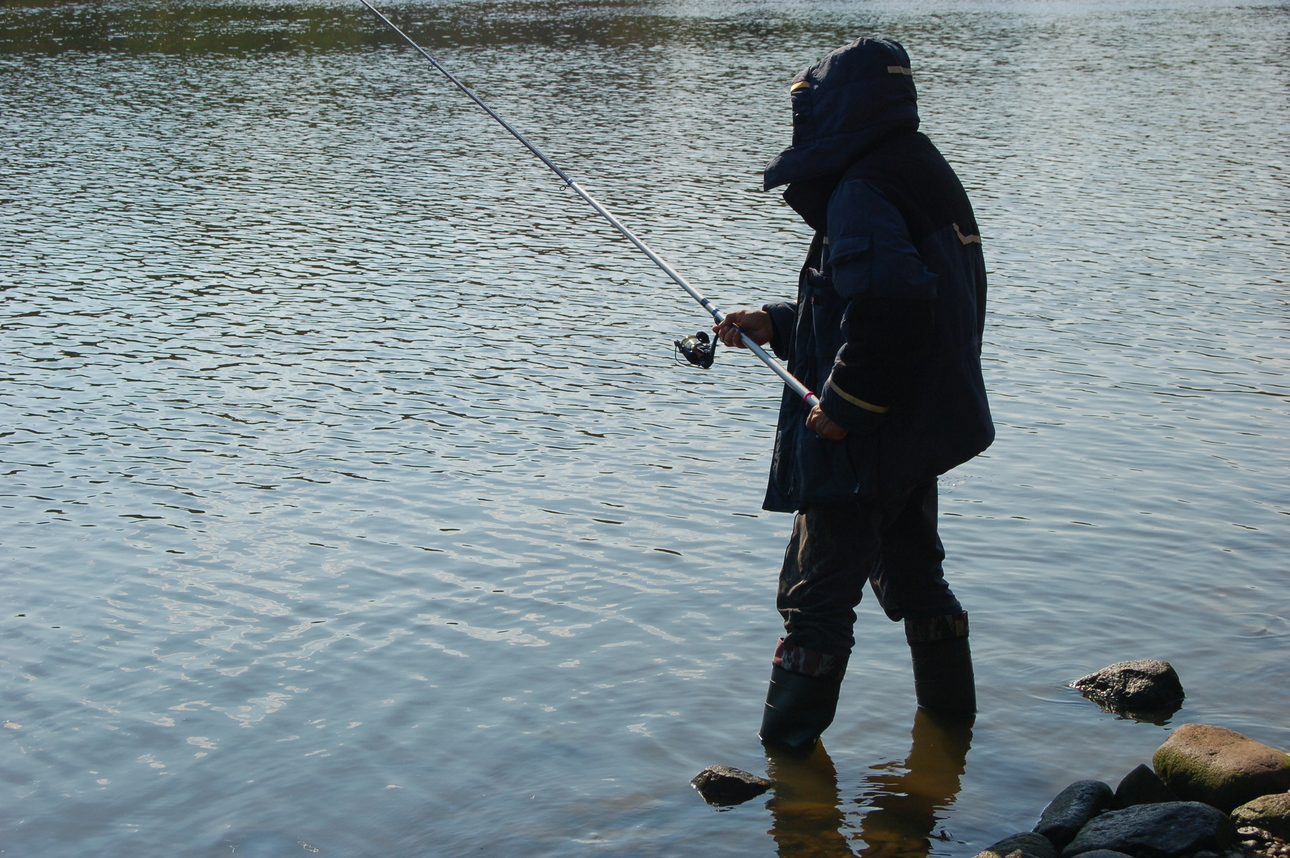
(842, 105)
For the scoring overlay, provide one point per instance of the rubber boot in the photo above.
(943, 680)
(798, 709)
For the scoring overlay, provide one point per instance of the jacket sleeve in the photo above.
(782, 316)
(888, 321)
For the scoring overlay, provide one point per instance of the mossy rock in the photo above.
(1269, 812)
(1220, 767)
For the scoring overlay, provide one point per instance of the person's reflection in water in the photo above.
(900, 803)
(805, 809)
(905, 803)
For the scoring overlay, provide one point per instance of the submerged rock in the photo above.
(1073, 807)
(724, 786)
(1145, 687)
(1218, 766)
(1271, 813)
(1027, 845)
(1165, 830)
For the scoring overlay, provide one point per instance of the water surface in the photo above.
(354, 504)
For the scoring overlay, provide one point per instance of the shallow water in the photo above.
(353, 503)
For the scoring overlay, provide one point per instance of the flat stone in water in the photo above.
(724, 786)
(1146, 686)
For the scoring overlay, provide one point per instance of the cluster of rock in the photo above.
(1210, 791)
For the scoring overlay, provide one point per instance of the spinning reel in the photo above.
(699, 349)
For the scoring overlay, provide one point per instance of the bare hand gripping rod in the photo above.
(765, 357)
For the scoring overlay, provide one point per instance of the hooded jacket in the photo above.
(891, 301)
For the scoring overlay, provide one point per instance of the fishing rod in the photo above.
(697, 345)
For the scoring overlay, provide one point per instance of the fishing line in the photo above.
(696, 349)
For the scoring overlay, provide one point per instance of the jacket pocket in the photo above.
(826, 324)
(847, 249)
(835, 471)
(852, 266)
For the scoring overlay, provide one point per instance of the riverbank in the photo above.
(1208, 791)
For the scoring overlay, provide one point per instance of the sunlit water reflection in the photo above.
(352, 497)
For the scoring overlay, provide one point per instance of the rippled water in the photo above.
(353, 502)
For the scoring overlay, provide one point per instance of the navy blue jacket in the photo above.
(890, 309)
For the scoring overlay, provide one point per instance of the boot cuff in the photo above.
(809, 662)
(933, 629)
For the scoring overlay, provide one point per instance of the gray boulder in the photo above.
(1142, 786)
(723, 786)
(1073, 807)
(1146, 687)
(1165, 830)
(1218, 766)
(1269, 812)
(1030, 845)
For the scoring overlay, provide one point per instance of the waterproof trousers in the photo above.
(838, 548)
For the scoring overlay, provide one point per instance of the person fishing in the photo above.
(887, 326)
(895, 287)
